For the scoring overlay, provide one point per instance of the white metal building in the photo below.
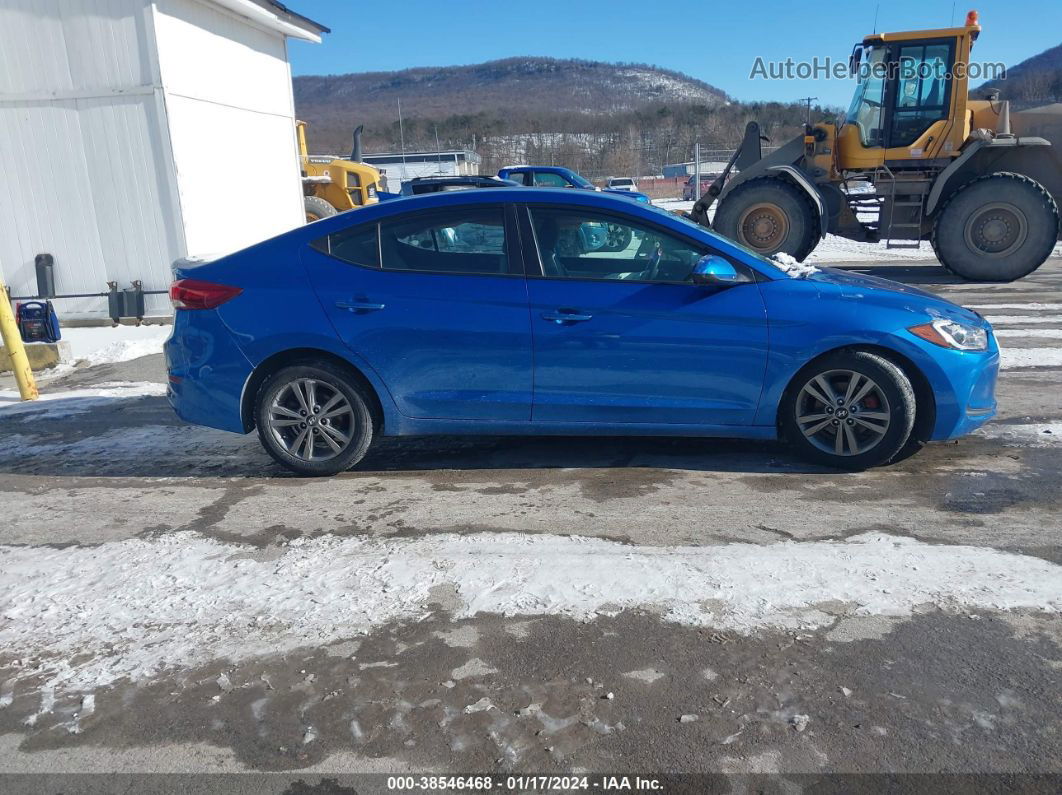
(134, 132)
(398, 167)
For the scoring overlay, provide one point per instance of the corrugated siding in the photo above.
(69, 45)
(111, 110)
(83, 180)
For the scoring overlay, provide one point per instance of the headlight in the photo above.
(952, 334)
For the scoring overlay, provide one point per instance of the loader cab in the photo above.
(909, 104)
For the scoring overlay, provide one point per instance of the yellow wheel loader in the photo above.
(333, 185)
(914, 158)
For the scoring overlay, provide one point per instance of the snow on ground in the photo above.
(104, 345)
(1030, 306)
(1055, 333)
(1045, 434)
(833, 248)
(994, 319)
(92, 615)
(76, 401)
(1012, 358)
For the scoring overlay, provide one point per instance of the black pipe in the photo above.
(355, 153)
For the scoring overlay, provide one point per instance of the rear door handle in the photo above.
(565, 316)
(359, 306)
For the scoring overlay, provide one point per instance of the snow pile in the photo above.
(76, 401)
(90, 616)
(1013, 358)
(788, 263)
(105, 345)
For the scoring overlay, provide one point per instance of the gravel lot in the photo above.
(173, 602)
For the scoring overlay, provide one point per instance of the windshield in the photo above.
(865, 110)
(581, 181)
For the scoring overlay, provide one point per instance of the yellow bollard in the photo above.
(27, 387)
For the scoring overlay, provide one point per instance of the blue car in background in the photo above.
(559, 177)
(516, 311)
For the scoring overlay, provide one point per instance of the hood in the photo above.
(885, 292)
(631, 194)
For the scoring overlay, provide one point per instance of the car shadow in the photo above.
(908, 274)
(139, 437)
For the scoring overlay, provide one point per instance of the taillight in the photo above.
(196, 294)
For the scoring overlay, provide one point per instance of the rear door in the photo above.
(435, 302)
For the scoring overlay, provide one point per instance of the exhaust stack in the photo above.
(355, 153)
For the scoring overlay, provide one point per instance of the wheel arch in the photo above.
(1038, 162)
(295, 356)
(926, 409)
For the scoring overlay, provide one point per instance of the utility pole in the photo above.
(402, 136)
(696, 171)
(16, 351)
(808, 100)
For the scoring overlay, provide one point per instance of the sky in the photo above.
(717, 42)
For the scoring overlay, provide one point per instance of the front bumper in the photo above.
(964, 384)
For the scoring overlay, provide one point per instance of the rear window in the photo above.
(359, 245)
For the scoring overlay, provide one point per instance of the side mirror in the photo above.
(713, 270)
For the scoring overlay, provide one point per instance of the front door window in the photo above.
(579, 244)
(922, 91)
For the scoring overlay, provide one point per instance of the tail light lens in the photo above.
(196, 294)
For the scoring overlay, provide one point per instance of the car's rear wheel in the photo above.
(313, 419)
(850, 410)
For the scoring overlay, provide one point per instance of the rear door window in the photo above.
(469, 240)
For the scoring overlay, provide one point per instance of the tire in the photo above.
(768, 215)
(889, 406)
(997, 228)
(317, 208)
(280, 411)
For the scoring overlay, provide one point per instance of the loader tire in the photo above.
(768, 215)
(317, 208)
(997, 228)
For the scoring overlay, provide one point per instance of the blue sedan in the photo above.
(515, 311)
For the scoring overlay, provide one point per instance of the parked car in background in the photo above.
(421, 185)
(689, 194)
(560, 177)
(516, 311)
(621, 183)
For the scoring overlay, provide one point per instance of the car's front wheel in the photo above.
(850, 410)
(313, 419)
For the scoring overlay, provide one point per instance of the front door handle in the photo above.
(566, 316)
(359, 306)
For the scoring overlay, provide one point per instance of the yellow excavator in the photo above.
(914, 158)
(333, 185)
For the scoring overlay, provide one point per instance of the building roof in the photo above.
(292, 16)
(274, 15)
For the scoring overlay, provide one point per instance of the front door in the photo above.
(622, 335)
(435, 303)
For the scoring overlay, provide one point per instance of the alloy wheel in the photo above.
(311, 419)
(843, 412)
